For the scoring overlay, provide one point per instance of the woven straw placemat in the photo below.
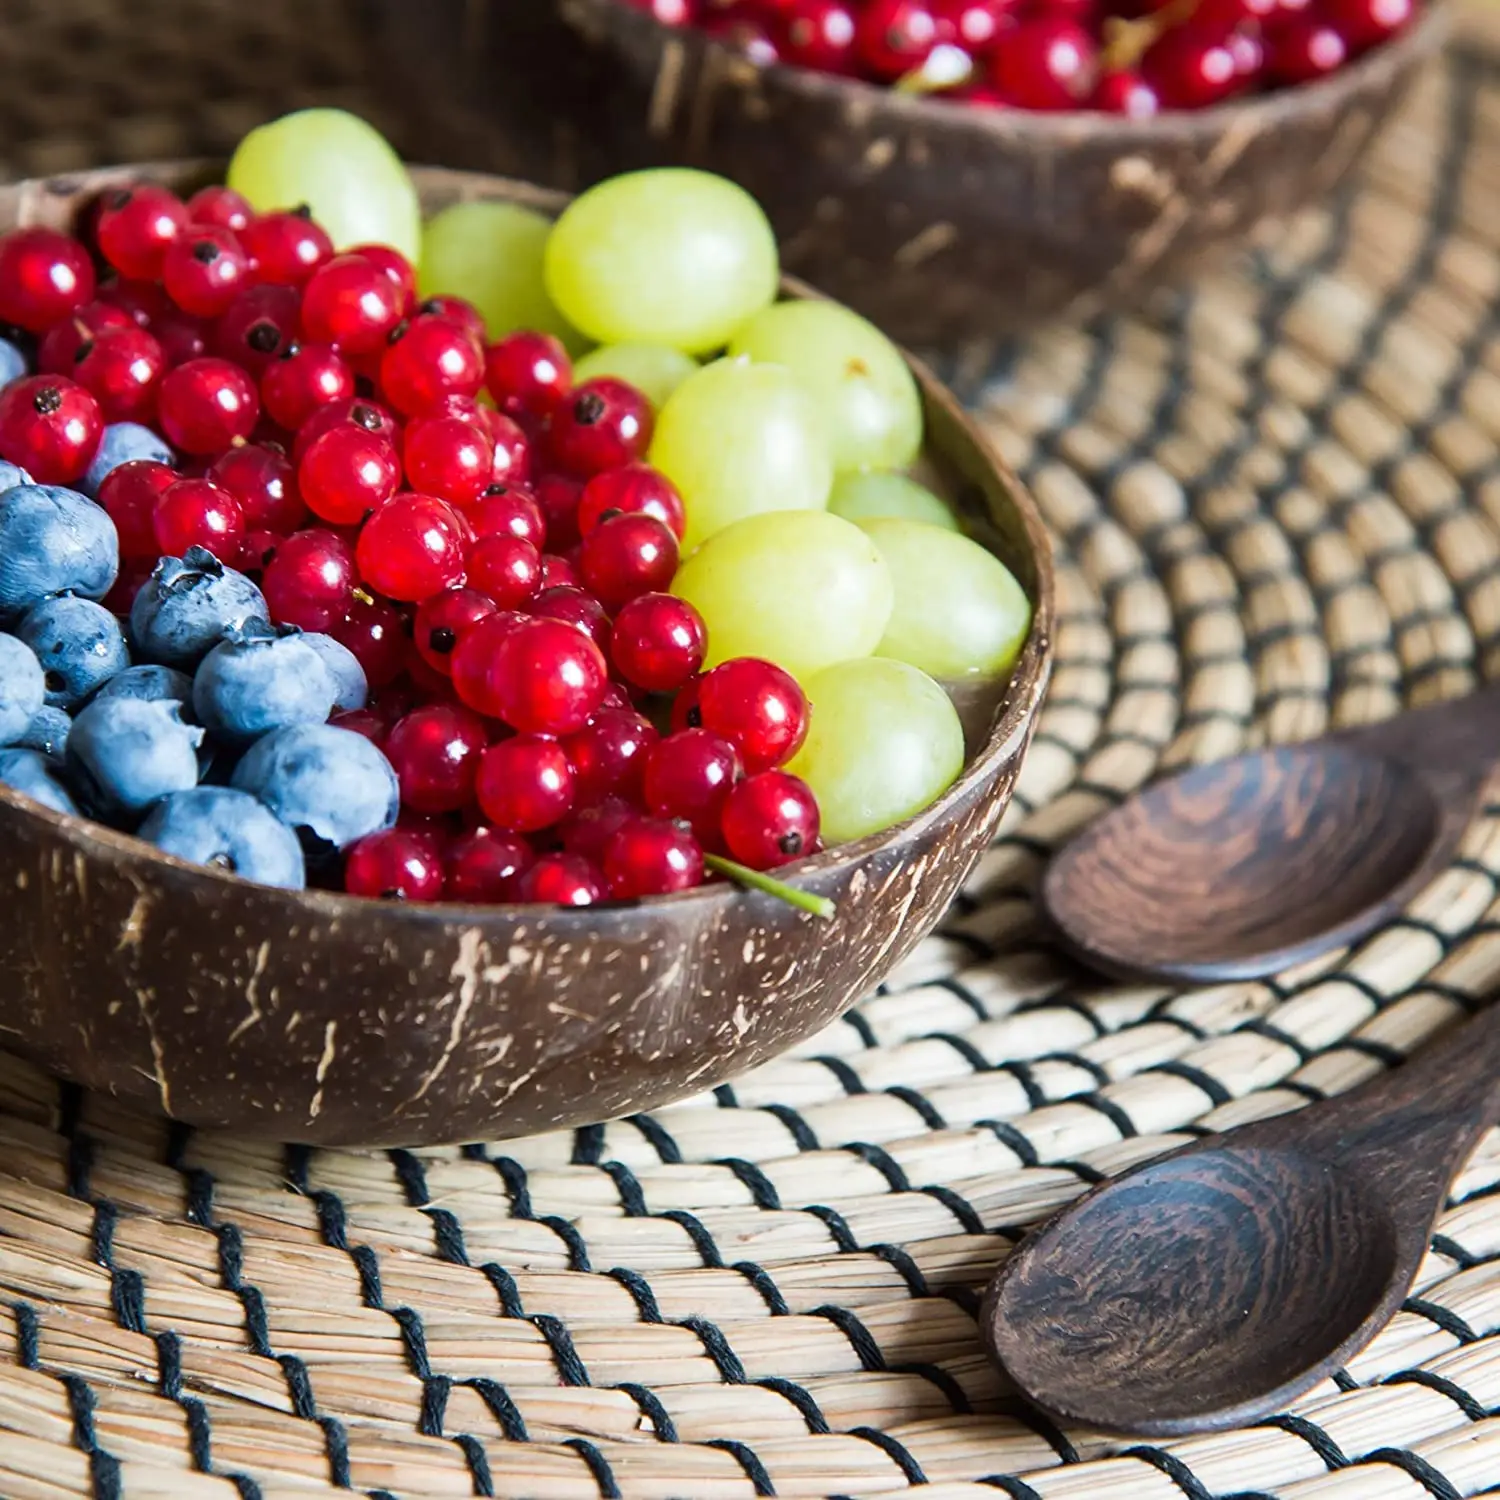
(1278, 500)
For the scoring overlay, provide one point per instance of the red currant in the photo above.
(483, 867)
(217, 204)
(257, 548)
(525, 784)
(435, 753)
(588, 830)
(505, 568)
(651, 857)
(1367, 23)
(1126, 93)
(1304, 49)
(668, 12)
(528, 374)
(978, 26)
(347, 475)
(507, 510)
(376, 634)
(361, 411)
(559, 573)
(262, 480)
(258, 326)
(182, 337)
(538, 676)
(204, 405)
(122, 369)
(395, 865)
(44, 276)
(819, 34)
(896, 37)
(688, 776)
(561, 880)
(351, 302)
(310, 581)
(61, 346)
(446, 457)
(303, 378)
(197, 513)
(459, 312)
(1187, 70)
(136, 226)
(428, 359)
(129, 494)
(603, 424)
(770, 819)
(143, 302)
(658, 642)
(285, 248)
(1047, 63)
(636, 489)
(747, 33)
(396, 266)
(757, 707)
(576, 607)
(608, 754)
(442, 621)
(627, 556)
(559, 498)
(412, 548)
(204, 270)
(50, 426)
(363, 721)
(512, 463)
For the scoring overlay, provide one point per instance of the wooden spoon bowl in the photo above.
(325, 1019)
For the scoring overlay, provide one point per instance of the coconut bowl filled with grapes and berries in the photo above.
(471, 663)
(952, 169)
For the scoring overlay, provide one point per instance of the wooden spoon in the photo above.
(1215, 1285)
(1248, 866)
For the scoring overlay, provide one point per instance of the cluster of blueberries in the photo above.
(198, 724)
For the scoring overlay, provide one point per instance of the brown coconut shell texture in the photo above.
(328, 1020)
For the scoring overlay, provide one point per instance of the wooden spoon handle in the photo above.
(1461, 735)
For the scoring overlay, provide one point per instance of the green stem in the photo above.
(819, 906)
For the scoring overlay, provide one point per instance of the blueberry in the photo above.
(47, 733)
(331, 785)
(256, 683)
(23, 688)
(12, 365)
(53, 541)
(79, 644)
(342, 665)
(122, 443)
(11, 475)
(125, 754)
(190, 604)
(152, 684)
(30, 772)
(229, 830)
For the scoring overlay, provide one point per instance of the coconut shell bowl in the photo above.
(942, 223)
(331, 1020)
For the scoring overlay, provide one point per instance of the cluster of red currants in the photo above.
(1124, 57)
(499, 566)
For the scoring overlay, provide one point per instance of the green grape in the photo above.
(737, 439)
(341, 168)
(652, 369)
(669, 256)
(868, 497)
(883, 742)
(958, 610)
(491, 254)
(800, 588)
(863, 387)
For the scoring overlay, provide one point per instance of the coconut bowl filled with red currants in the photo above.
(952, 169)
(471, 662)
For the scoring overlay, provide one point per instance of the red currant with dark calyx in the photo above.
(50, 426)
(561, 880)
(435, 753)
(303, 378)
(136, 226)
(204, 270)
(310, 582)
(204, 405)
(360, 411)
(376, 634)
(544, 677)
(506, 569)
(259, 325)
(559, 498)
(217, 204)
(122, 368)
(129, 494)
(44, 276)
(528, 374)
(636, 489)
(412, 548)
(1047, 63)
(658, 642)
(394, 866)
(285, 248)
(263, 481)
(507, 510)
(688, 776)
(589, 829)
(978, 26)
(182, 336)
(896, 37)
(651, 857)
(457, 311)
(770, 819)
(757, 707)
(347, 475)
(426, 360)
(197, 513)
(602, 424)
(396, 267)
(819, 34)
(61, 346)
(525, 784)
(576, 607)
(608, 754)
(351, 302)
(1304, 49)
(627, 556)
(443, 620)
(447, 457)
(482, 868)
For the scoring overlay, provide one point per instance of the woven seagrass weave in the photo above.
(1278, 499)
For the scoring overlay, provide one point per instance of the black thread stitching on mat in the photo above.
(862, 1029)
(802, 1134)
(957, 1205)
(920, 1106)
(883, 1162)
(1013, 1139)
(104, 1467)
(893, 1450)
(501, 1407)
(1043, 1426)
(1332, 1456)
(1017, 1489)
(1110, 1110)
(848, 1079)
(659, 1138)
(836, 1225)
(479, 1463)
(28, 1336)
(1205, 1083)
(744, 1456)
(802, 1399)
(1073, 1059)
(718, 1349)
(654, 1412)
(1173, 1467)
(1454, 1251)
(762, 1191)
(604, 1476)
(866, 1350)
(697, 1232)
(1445, 1318)
(769, 1292)
(1345, 1381)
(447, 1232)
(725, 1098)
(588, 1145)
(965, 1049)
(571, 1369)
(506, 1290)
(640, 1293)
(1416, 1468)
(1274, 1033)
(628, 1186)
(435, 1392)
(953, 1392)
(1466, 1403)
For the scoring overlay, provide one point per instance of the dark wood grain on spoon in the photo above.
(1245, 867)
(1214, 1286)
